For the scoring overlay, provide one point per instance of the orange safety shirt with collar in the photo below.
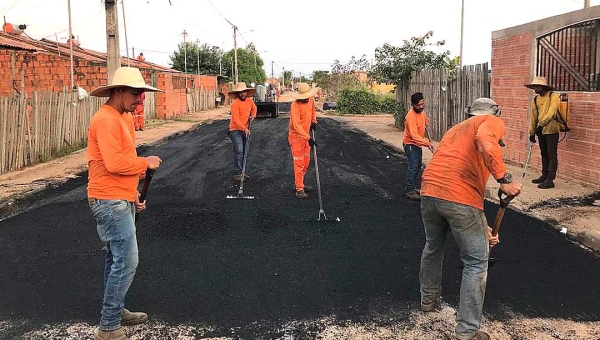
(301, 116)
(113, 164)
(462, 163)
(241, 110)
(414, 129)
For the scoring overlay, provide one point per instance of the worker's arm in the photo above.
(253, 110)
(548, 115)
(313, 118)
(110, 142)
(533, 117)
(487, 140)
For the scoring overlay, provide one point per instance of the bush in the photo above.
(365, 102)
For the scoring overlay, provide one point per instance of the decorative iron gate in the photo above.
(568, 57)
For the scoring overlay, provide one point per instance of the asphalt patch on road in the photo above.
(245, 268)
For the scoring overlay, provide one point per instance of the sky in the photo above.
(301, 36)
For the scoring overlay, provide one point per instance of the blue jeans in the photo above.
(238, 138)
(469, 229)
(414, 161)
(116, 228)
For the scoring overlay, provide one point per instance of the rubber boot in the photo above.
(539, 180)
(547, 184)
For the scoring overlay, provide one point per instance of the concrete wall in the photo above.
(513, 65)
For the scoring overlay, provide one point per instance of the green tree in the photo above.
(250, 65)
(319, 76)
(189, 54)
(394, 65)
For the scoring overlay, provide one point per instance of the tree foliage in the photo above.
(394, 65)
(250, 65)
(189, 54)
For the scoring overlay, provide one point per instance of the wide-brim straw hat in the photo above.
(125, 77)
(482, 106)
(304, 92)
(240, 87)
(539, 82)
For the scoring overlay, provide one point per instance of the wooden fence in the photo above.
(447, 95)
(41, 126)
(201, 100)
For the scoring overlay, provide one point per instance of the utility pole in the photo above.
(113, 60)
(71, 46)
(235, 54)
(586, 4)
(283, 77)
(185, 58)
(272, 62)
(462, 28)
(198, 48)
(125, 29)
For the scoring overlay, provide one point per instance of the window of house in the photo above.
(569, 58)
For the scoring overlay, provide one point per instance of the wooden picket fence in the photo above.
(201, 100)
(41, 126)
(447, 94)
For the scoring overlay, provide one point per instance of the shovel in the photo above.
(527, 159)
(147, 179)
(504, 202)
(246, 150)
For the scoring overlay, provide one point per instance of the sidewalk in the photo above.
(582, 223)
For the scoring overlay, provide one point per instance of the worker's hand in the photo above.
(532, 138)
(313, 126)
(312, 142)
(139, 206)
(511, 189)
(153, 162)
(430, 147)
(247, 132)
(538, 129)
(251, 118)
(492, 240)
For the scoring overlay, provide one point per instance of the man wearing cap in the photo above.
(114, 173)
(542, 123)
(414, 139)
(303, 119)
(243, 110)
(452, 196)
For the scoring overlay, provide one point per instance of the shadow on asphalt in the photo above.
(252, 265)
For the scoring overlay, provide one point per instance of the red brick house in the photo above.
(566, 50)
(28, 65)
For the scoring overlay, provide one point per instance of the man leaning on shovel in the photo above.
(452, 196)
(114, 173)
(243, 110)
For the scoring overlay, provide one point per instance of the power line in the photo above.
(222, 16)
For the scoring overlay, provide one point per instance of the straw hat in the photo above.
(539, 82)
(125, 77)
(483, 106)
(239, 87)
(304, 92)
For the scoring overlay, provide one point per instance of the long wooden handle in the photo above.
(147, 179)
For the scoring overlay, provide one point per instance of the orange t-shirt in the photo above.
(414, 128)
(241, 110)
(462, 163)
(301, 116)
(114, 167)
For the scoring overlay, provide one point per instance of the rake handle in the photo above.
(147, 179)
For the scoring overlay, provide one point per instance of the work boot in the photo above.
(547, 184)
(133, 318)
(237, 178)
(307, 188)
(117, 334)
(428, 305)
(413, 195)
(246, 177)
(539, 180)
(480, 335)
(301, 194)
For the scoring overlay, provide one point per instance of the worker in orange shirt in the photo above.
(414, 139)
(243, 110)
(138, 115)
(452, 199)
(114, 173)
(303, 119)
(141, 57)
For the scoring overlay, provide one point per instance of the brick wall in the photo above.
(513, 65)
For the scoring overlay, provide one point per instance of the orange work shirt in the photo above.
(462, 163)
(301, 116)
(114, 167)
(241, 110)
(414, 129)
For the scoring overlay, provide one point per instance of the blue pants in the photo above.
(469, 229)
(238, 138)
(414, 161)
(116, 227)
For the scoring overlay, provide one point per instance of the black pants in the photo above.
(549, 150)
